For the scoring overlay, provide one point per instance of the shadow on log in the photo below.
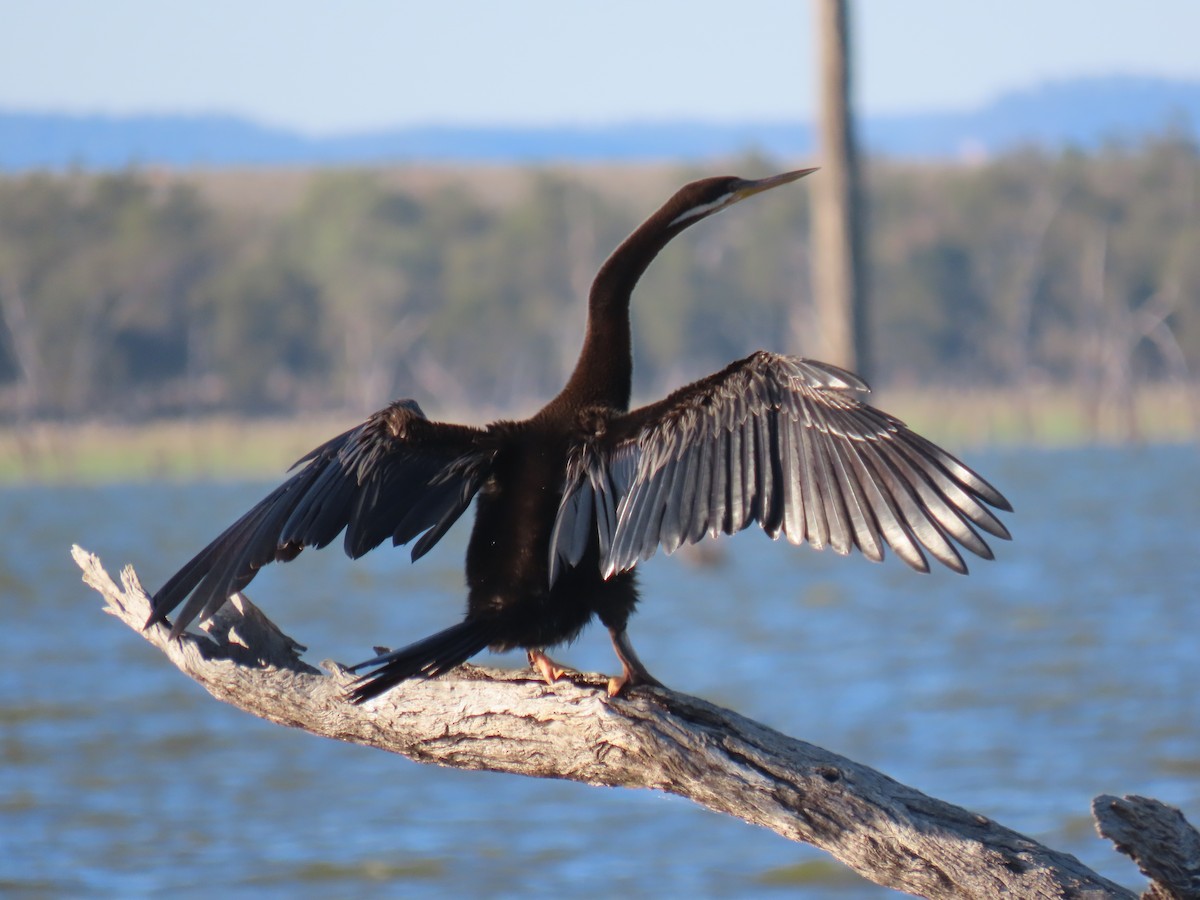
(512, 721)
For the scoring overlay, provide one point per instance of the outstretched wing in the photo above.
(780, 441)
(397, 475)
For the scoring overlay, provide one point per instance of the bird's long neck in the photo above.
(604, 372)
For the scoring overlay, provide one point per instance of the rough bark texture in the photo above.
(508, 721)
(1158, 838)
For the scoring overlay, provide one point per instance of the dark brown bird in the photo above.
(571, 499)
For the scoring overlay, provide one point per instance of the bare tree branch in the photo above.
(506, 721)
(1158, 838)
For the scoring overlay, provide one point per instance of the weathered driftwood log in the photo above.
(505, 721)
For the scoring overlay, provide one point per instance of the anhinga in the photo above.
(571, 499)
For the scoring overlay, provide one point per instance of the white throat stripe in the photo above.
(697, 211)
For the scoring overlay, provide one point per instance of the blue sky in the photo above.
(371, 65)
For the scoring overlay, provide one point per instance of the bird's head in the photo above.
(700, 199)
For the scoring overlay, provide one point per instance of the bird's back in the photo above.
(508, 558)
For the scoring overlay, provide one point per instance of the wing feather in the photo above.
(830, 490)
(700, 509)
(770, 513)
(816, 526)
(863, 526)
(783, 442)
(397, 475)
(677, 492)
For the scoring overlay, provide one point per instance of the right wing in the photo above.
(397, 475)
(780, 441)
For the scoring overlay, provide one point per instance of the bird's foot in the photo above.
(551, 671)
(633, 672)
(618, 683)
(628, 678)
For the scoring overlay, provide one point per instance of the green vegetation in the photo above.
(226, 447)
(1062, 293)
(99, 453)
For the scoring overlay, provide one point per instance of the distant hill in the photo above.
(1083, 113)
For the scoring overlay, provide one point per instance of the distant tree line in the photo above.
(139, 295)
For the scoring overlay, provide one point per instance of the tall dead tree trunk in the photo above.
(839, 281)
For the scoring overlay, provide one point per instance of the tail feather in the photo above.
(427, 658)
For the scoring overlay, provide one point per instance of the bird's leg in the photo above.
(633, 672)
(550, 670)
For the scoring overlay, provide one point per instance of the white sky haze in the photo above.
(372, 65)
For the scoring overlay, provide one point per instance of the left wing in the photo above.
(776, 440)
(397, 475)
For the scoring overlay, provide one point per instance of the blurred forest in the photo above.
(147, 294)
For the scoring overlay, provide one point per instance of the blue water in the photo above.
(1067, 668)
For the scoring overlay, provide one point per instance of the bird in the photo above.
(570, 500)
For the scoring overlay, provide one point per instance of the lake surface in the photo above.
(1067, 668)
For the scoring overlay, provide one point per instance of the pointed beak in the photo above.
(750, 188)
(739, 189)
